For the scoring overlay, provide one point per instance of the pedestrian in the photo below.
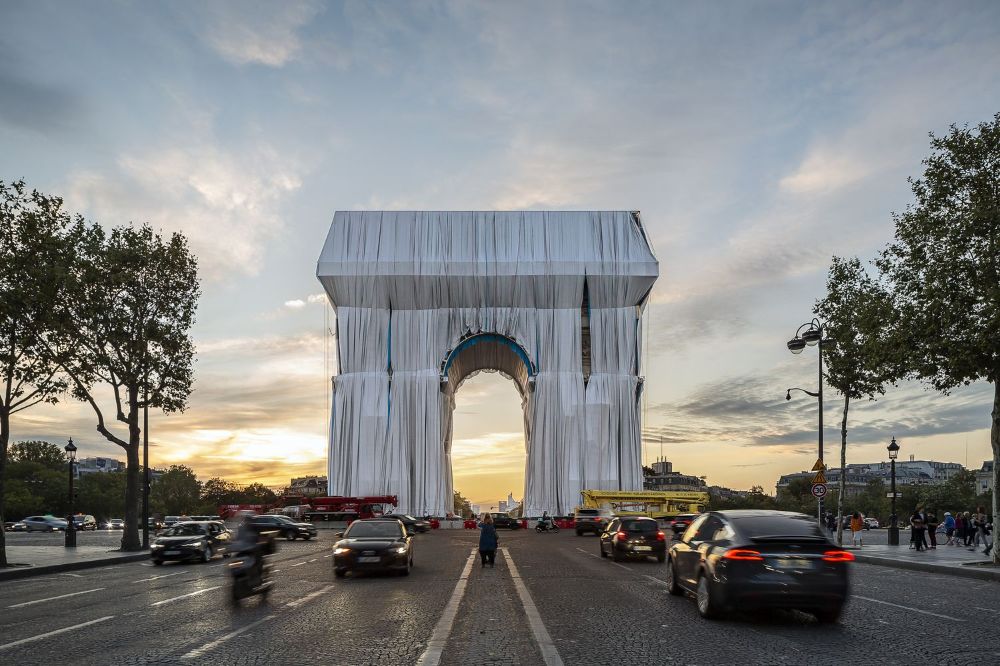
(949, 528)
(831, 523)
(982, 533)
(857, 527)
(959, 529)
(932, 524)
(488, 541)
(917, 527)
(969, 528)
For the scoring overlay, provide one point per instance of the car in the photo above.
(591, 520)
(283, 525)
(633, 536)
(191, 541)
(755, 559)
(44, 524)
(154, 524)
(169, 521)
(373, 544)
(16, 526)
(413, 525)
(680, 522)
(872, 523)
(502, 520)
(84, 522)
(113, 524)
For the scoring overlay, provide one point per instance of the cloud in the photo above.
(35, 104)
(257, 32)
(296, 304)
(226, 202)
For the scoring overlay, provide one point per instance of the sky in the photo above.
(758, 139)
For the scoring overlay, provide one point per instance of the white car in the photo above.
(44, 524)
(872, 523)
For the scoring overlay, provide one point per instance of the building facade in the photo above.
(858, 475)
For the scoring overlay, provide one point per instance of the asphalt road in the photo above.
(550, 599)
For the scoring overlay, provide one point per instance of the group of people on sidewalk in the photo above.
(970, 529)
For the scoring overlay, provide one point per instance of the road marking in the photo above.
(909, 608)
(548, 649)
(439, 638)
(313, 559)
(54, 633)
(293, 604)
(185, 596)
(144, 580)
(988, 610)
(326, 556)
(276, 571)
(73, 575)
(219, 641)
(298, 564)
(61, 596)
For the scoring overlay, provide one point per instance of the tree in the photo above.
(43, 453)
(32, 256)
(257, 493)
(102, 494)
(856, 310)
(216, 492)
(124, 329)
(944, 264)
(461, 506)
(176, 492)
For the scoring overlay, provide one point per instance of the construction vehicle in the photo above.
(659, 504)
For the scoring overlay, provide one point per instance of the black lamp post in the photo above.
(70, 525)
(813, 335)
(893, 523)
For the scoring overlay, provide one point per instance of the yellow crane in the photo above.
(658, 504)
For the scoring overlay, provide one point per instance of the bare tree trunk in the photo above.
(843, 474)
(995, 442)
(130, 538)
(4, 440)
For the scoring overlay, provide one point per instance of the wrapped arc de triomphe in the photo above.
(423, 300)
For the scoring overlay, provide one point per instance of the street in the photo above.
(551, 599)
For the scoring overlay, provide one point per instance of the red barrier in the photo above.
(435, 523)
(470, 524)
(524, 523)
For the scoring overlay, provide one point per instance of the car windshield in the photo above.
(364, 530)
(587, 512)
(185, 529)
(794, 526)
(640, 526)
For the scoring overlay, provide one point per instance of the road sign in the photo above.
(819, 466)
(819, 478)
(898, 494)
(819, 490)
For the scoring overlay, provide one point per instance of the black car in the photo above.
(591, 520)
(502, 520)
(190, 541)
(739, 560)
(633, 537)
(413, 525)
(373, 544)
(283, 525)
(681, 522)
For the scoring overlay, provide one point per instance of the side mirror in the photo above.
(339, 534)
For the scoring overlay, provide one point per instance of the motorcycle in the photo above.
(546, 527)
(251, 571)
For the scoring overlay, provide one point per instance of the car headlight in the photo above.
(195, 544)
(401, 549)
(156, 545)
(341, 551)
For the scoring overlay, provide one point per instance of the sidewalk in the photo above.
(951, 560)
(28, 561)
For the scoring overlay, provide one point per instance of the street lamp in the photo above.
(893, 523)
(70, 525)
(811, 336)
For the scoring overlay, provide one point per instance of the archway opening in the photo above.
(486, 429)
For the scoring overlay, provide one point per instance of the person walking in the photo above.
(930, 519)
(982, 535)
(949, 528)
(488, 541)
(969, 528)
(917, 527)
(857, 529)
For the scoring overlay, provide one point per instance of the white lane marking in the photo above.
(548, 649)
(298, 564)
(326, 556)
(293, 604)
(73, 575)
(313, 559)
(656, 580)
(146, 580)
(439, 638)
(185, 596)
(54, 633)
(988, 610)
(909, 608)
(219, 641)
(276, 571)
(61, 596)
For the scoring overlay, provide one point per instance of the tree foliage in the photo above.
(944, 264)
(176, 492)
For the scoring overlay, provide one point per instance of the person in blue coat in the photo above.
(488, 541)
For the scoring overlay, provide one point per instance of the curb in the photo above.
(960, 571)
(13, 573)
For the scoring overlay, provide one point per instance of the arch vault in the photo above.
(426, 299)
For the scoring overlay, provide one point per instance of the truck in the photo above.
(659, 504)
(314, 509)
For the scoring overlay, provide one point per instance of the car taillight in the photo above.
(660, 536)
(621, 536)
(838, 556)
(743, 554)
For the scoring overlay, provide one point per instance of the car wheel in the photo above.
(206, 554)
(672, 586)
(707, 606)
(661, 558)
(290, 536)
(615, 555)
(406, 571)
(307, 536)
(828, 615)
(157, 562)
(603, 554)
(579, 533)
(339, 573)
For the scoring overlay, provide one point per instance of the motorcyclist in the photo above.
(545, 521)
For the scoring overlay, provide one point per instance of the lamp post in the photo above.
(893, 523)
(812, 335)
(70, 525)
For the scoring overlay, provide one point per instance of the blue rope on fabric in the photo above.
(490, 337)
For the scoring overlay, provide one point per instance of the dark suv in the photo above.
(503, 520)
(283, 525)
(590, 520)
(681, 521)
